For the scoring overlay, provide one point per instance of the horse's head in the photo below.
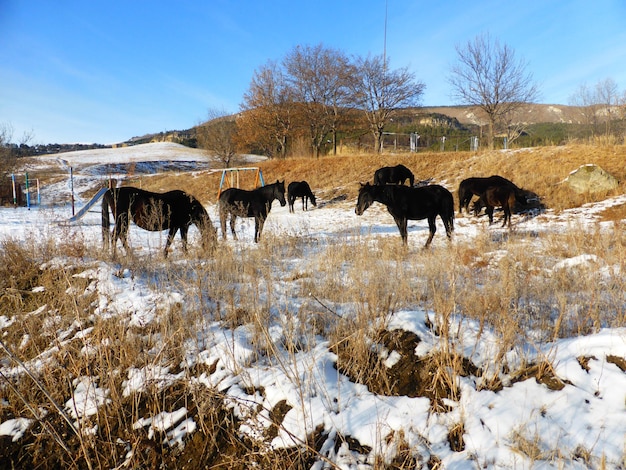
(279, 192)
(201, 219)
(521, 195)
(477, 206)
(365, 199)
(198, 213)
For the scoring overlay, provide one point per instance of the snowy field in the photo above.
(588, 414)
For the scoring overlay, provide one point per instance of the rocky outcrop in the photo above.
(590, 179)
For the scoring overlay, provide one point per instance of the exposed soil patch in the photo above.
(542, 373)
(618, 361)
(399, 372)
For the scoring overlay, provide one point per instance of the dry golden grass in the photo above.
(509, 294)
(541, 170)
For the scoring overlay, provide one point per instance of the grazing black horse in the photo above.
(300, 189)
(500, 196)
(393, 175)
(173, 211)
(477, 186)
(403, 203)
(256, 203)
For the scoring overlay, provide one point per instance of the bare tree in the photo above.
(318, 78)
(514, 128)
(380, 92)
(266, 120)
(622, 105)
(601, 103)
(216, 136)
(585, 99)
(608, 97)
(489, 76)
(9, 151)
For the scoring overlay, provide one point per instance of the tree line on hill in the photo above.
(317, 99)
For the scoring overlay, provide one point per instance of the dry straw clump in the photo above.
(348, 291)
(541, 170)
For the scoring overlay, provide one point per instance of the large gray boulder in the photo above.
(591, 179)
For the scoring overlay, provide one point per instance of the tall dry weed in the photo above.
(523, 287)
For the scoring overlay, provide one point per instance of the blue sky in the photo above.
(93, 71)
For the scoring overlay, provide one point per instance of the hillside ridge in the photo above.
(528, 114)
(465, 115)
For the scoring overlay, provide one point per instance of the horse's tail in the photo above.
(207, 229)
(461, 195)
(447, 212)
(223, 213)
(411, 179)
(106, 223)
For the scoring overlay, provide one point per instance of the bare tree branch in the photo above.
(318, 77)
(489, 76)
(216, 136)
(266, 121)
(379, 92)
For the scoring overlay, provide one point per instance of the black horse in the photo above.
(403, 203)
(300, 189)
(173, 211)
(477, 186)
(393, 175)
(256, 203)
(500, 196)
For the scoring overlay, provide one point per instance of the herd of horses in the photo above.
(177, 211)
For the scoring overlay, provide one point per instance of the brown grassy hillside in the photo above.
(540, 170)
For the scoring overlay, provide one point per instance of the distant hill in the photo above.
(463, 115)
(529, 114)
(435, 116)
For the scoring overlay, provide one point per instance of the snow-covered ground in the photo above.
(588, 415)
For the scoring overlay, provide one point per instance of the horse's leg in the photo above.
(106, 235)
(223, 217)
(170, 239)
(304, 203)
(432, 228)
(464, 203)
(123, 236)
(489, 212)
(511, 206)
(507, 215)
(233, 217)
(401, 222)
(120, 232)
(183, 236)
(447, 224)
(113, 236)
(259, 221)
